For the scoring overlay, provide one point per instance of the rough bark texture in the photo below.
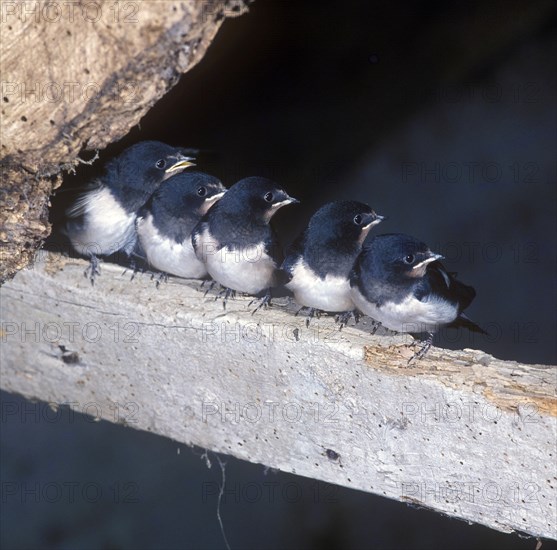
(77, 76)
(461, 432)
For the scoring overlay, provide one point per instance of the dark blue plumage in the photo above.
(319, 262)
(102, 220)
(235, 241)
(400, 283)
(165, 223)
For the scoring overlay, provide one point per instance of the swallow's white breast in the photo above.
(167, 255)
(106, 227)
(249, 269)
(409, 315)
(329, 294)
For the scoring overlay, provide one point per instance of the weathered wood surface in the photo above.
(461, 432)
(78, 76)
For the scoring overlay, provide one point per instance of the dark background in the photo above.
(440, 116)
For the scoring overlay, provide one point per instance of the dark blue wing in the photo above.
(196, 232)
(445, 284)
(442, 283)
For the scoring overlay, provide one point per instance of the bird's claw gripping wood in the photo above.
(263, 302)
(229, 294)
(425, 345)
(161, 277)
(134, 268)
(93, 270)
(374, 326)
(313, 312)
(343, 318)
(211, 286)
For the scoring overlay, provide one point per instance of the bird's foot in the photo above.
(211, 284)
(226, 294)
(263, 302)
(93, 269)
(133, 267)
(161, 277)
(313, 312)
(426, 344)
(345, 316)
(374, 326)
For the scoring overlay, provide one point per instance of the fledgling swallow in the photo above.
(319, 262)
(236, 242)
(401, 284)
(102, 220)
(165, 223)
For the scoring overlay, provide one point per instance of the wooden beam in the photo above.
(461, 432)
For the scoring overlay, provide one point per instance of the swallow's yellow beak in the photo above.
(420, 268)
(215, 198)
(181, 164)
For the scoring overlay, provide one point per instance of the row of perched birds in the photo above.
(186, 223)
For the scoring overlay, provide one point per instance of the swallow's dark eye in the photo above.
(409, 259)
(161, 163)
(358, 219)
(202, 191)
(269, 197)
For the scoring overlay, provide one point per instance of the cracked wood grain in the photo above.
(78, 76)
